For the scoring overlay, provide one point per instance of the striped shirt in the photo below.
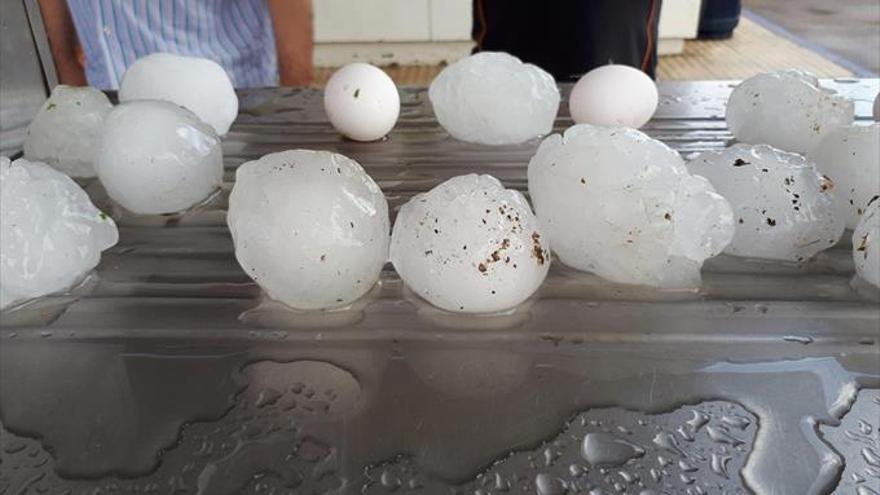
(237, 34)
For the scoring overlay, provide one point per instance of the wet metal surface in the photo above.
(166, 371)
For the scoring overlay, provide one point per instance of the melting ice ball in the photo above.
(64, 133)
(866, 244)
(786, 109)
(199, 84)
(51, 234)
(469, 245)
(851, 157)
(155, 157)
(622, 205)
(310, 227)
(784, 209)
(494, 98)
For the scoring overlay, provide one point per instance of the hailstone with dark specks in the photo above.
(866, 244)
(784, 208)
(622, 205)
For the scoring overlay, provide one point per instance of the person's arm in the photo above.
(292, 23)
(62, 42)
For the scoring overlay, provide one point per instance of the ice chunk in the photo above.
(64, 133)
(494, 98)
(622, 205)
(51, 234)
(784, 209)
(310, 227)
(866, 244)
(155, 157)
(851, 157)
(469, 245)
(199, 84)
(786, 109)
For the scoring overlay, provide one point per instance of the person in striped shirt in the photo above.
(258, 42)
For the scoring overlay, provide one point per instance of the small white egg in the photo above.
(361, 102)
(310, 227)
(64, 134)
(198, 84)
(470, 246)
(155, 157)
(613, 96)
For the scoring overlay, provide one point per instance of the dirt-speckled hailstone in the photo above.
(469, 245)
(494, 98)
(866, 244)
(198, 84)
(64, 134)
(622, 205)
(786, 109)
(51, 234)
(851, 157)
(784, 209)
(156, 157)
(310, 227)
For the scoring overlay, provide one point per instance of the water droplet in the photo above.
(389, 480)
(721, 435)
(686, 467)
(687, 480)
(719, 464)
(871, 457)
(806, 339)
(685, 433)
(865, 427)
(549, 485)
(667, 441)
(628, 477)
(576, 470)
(864, 490)
(267, 397)
(698, 421)
(606, 449)
(738, 422)
(656, 475)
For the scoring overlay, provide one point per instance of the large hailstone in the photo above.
(64, 133)
(469, 245)
(866, 244)
(494, 98)
(310, 227)
(622, 205)
(851, 157)
(51, 234)
(198, 84)
(786, 109)
(784, 208)
(155, 157)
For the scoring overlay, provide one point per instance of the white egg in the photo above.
(64, 133)
(469, 245)
(199, 84)
(866, 244)
(613, 96)
(622, 205)
(361, 102)
(51, 234)
(310, 227)
(155, 157)
(850, 156)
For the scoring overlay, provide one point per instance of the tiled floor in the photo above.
(752, 49)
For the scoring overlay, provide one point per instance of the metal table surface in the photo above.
(167, 372)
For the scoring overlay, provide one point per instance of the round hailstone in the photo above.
(469, 245)
(51, 234)
(786, 109)
(622, 205)
(866, 244)
(64, 133)
(784, 208)
(851, 157)
(494, 98)
(155, 157)
(310, 227)
(199, 84)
